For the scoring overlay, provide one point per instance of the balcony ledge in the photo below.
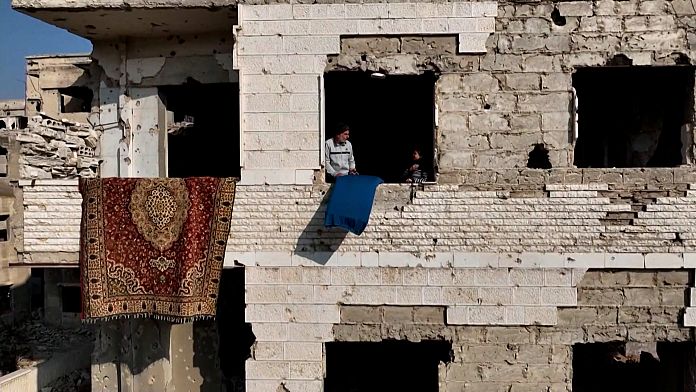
(106, 19)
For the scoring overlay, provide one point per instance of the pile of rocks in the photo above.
(76, 381)
(33, 341)
(53, 148)
(44, 340)
(10, 349)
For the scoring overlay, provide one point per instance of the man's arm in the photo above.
(327, 161)
(351, 160)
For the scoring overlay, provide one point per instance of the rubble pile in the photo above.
(33, 341)
(10, 349)
(57, 149)
(76, 381)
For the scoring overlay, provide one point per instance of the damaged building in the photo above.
(552, 249)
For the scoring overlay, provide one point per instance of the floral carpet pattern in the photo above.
(153, 247)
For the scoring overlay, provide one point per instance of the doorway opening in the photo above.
(389, 365)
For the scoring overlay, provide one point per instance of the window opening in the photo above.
(389, 117)
(385, 366)
(202, 129)
(637, 367)
(632, 116)
(75, 99)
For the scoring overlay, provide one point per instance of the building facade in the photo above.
(555, 243)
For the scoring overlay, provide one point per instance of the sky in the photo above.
(21, 36)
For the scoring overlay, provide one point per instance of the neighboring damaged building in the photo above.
(555, 246)
(61, 87)
(12, 115)
(44, 139)
(12, 118)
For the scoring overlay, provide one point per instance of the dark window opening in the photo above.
(70, 299)
(385, 366)
(2, 124)
(636, 367)
(388, 117)
(4, 157)
(4, 220)
(36, 103)
(75, 99)
(632, 116)
(202, 129)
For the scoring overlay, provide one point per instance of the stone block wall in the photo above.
(51, 221)
(494, 102)
(281, 54)
(520, 94)
(293, 310)
(549, 225)
(494, 108)
(639, 307)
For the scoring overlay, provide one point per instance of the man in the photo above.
(338, 154)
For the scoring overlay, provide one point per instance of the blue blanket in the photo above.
(350, 202)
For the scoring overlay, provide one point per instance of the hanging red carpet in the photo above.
(153, 247)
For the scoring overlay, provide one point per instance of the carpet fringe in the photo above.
(160, 317)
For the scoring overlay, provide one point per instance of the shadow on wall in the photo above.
(202, 356)
(129, 348)
(316, 242)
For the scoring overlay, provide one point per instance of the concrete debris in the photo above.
(76, 381)
(33, 341)
(51, 148)
(179, 127)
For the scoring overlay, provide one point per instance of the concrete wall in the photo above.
(151, 355)
(133, 118)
